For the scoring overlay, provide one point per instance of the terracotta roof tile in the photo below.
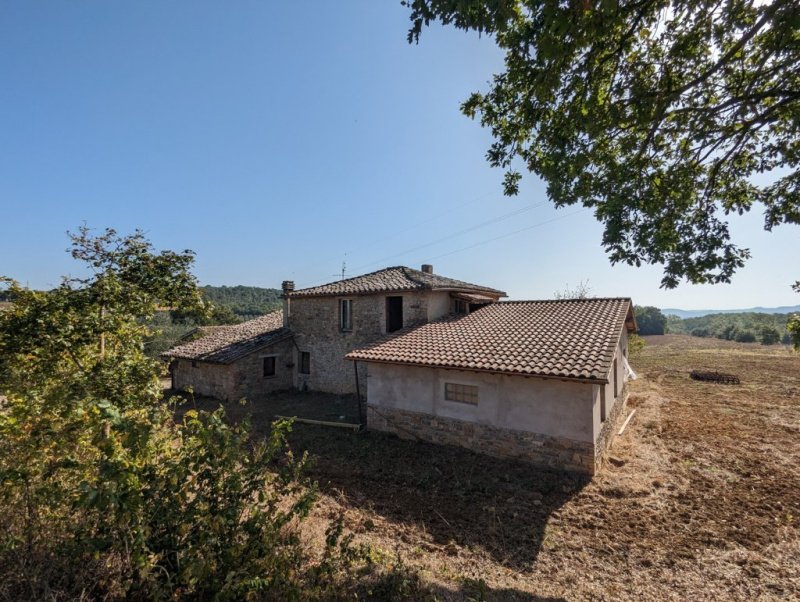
(226, 344)
(565, 338)
(396, 279)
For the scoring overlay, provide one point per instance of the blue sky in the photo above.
(280, 139)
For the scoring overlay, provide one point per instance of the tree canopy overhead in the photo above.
(663, 116)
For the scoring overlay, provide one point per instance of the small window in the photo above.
(461, 393)
(268, 365)
(194, 364)
(461, 306)
(305, 362)
(346, 314)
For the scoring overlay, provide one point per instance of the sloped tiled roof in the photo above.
(564, 339)
(223, 345)
(396, 279)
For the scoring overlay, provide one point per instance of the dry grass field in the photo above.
(700, 498)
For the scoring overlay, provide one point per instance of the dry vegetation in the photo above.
(700, 499)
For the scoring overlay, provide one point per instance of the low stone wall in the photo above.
(551, 452)
(610, 428)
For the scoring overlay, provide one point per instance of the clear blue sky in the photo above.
(279, 139)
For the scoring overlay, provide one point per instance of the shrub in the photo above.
(104, 494)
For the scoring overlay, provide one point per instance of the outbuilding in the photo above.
(543, 381)
(229, 363)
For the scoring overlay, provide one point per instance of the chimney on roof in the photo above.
(288, 287)
(427, 268)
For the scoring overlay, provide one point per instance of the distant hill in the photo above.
(696, 313)
(244, 301)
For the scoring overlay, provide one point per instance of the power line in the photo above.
(412, 226)
(477, 226)
(485, 242)
(490, 222)
(490, 240)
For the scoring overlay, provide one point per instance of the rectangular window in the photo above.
(305, 362)
(268, 364)
(394, 313)
(194, 364)
(346, 314)
(461, 393)
(461, 306)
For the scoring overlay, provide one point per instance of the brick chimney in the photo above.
(427, 268)
(288, 287)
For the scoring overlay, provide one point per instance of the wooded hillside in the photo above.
(244, 301)
(745, 327)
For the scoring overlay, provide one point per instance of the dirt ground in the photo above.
(700, 498)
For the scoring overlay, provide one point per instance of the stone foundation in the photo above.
(543, 450)
(610, 428)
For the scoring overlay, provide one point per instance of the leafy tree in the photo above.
(650, 320)
(794, 323)
(657, 115)
(770, 336)
(745, 337)
(104, 495)
(211, 316)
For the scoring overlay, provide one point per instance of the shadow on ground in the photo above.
(457, 497)
(451, 496)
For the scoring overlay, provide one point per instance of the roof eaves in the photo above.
(584, 380)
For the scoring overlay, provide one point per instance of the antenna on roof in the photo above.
(341, 275)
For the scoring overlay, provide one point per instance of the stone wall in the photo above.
(249, 380)
(241, 379)
(315, 324)
(610, 427)
(210, 380)
(551, 452)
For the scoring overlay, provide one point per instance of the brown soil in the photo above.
(700, 498)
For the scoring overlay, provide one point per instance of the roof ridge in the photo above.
(351, 278)
(510, 301)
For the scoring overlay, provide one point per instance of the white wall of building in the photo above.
(545, 406)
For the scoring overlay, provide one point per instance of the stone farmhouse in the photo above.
(435, 359)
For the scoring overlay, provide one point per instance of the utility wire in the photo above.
(486, 242)
(490, 222)
(413, 225)
(483, 242)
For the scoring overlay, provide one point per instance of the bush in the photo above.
(745, 337)
(104, 494)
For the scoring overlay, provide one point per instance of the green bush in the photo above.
(104, 494)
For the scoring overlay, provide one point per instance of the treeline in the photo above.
(747, 327)
(232, 304)
(244, 301)
(744, 327)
